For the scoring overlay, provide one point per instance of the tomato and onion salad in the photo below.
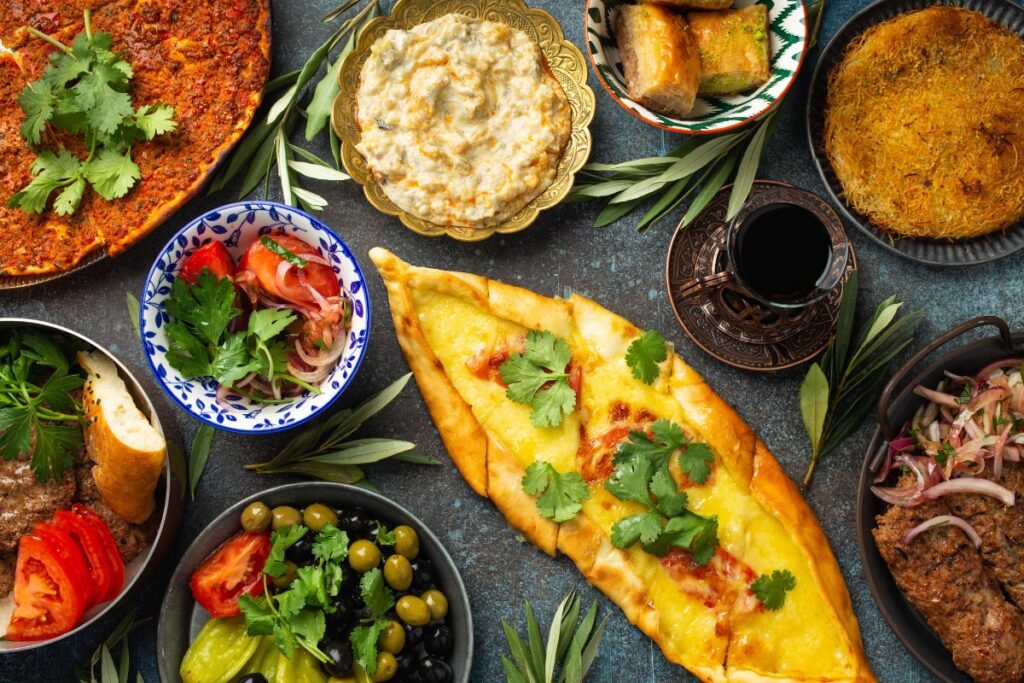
(280, 271)
(62, 570)
(958, 442)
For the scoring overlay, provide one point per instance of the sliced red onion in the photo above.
(314, 258)
(939, 397)
(1011, 453)
(998, 365)
(943, 520)
(984, 487)
(988, 397)
(901, 444)
(956, 377)
(997, 452)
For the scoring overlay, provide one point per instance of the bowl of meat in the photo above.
(940, 536)
(254, 317)
(89, 501)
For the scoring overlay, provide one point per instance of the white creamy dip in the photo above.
(461, 123)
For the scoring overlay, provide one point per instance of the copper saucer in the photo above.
(730, 326)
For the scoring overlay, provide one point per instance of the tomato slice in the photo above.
(291, 286)
(51, 587)
(213, 256)
(109, 545)
(95, 541)
(234, 569)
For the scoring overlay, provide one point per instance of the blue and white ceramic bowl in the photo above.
(236, 226)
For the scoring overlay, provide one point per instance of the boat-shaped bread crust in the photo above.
(704, 618)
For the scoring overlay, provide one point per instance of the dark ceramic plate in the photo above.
(181, 618)
(932, 252)
(897, 405)
(170, 491)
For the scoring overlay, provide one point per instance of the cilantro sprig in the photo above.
(771, 589)
(644, 354)
(559, 496)
(84, 90)
(202, 345)
(642, 475)
(38, 413)
(296, 616)
(379, 598)
(539, 377)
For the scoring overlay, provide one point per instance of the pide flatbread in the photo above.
(208, 59)
(454, 328)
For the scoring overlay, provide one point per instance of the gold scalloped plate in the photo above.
(564, 59)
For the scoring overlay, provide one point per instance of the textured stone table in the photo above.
(561, 253)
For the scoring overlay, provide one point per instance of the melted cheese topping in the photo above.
(708, 615)
(462, 123)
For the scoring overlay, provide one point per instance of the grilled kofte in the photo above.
(954, 538)
(924, 124)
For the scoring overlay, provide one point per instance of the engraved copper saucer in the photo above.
(730, 326)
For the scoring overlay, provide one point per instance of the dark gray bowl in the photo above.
(171, 487)
(181, 618)
(897, 405)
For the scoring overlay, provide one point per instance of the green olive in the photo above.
(290, 572)
(285, 515)
(392, 638)
(407, 543)
(387, 665)
(436, 602)
(412, 610)
(398, 573)
(256, 517)
(317, 516)
(363, 556)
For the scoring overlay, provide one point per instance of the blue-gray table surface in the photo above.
(561, 253)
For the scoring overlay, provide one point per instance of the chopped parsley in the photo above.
(286, 254)
(944, 453)
(383, 535)
(379, 598)
(538, 377)
(967, 394)
(771, 589)
(644, 354)
(559, 496)
(84, 90)
(35, 393)
(642, 475)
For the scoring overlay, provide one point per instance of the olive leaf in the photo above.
(570, 648)
(839, 392)
(109, 670)
(323, 450)
(267, 144)
(199, 455)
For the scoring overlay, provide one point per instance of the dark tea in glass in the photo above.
(782, 252)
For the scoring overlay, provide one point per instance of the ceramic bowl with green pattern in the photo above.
(787, 21)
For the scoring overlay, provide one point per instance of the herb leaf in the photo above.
(375, 593)
(771, 589)
(199, 455)
(559, 496)
(206, 306)
(286, 254)
(364, 644)
(331, 544)
(280, 540)
(644, 354)
(538, 376)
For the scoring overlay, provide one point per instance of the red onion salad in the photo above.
(968, 425)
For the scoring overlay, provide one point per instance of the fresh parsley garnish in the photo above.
(967, 394)
(538, 376)
(559, 496)
(364, 644)
(295, 616)
(84, 90)
(945, 451)
(384, 536)
(286, 254)
(202, 344)
(644, 354)
(375, 592)
(771, 589)
(642, 475)
(35, 393)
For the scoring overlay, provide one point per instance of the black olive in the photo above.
(437, 639)
(301, 553)
(363, 612)
(355, 522)
(344, 612)
(349, 579)
(339, 658)
(434, 670)
(413, 635)
(252, 678)
(408, 662)
(423, 576)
